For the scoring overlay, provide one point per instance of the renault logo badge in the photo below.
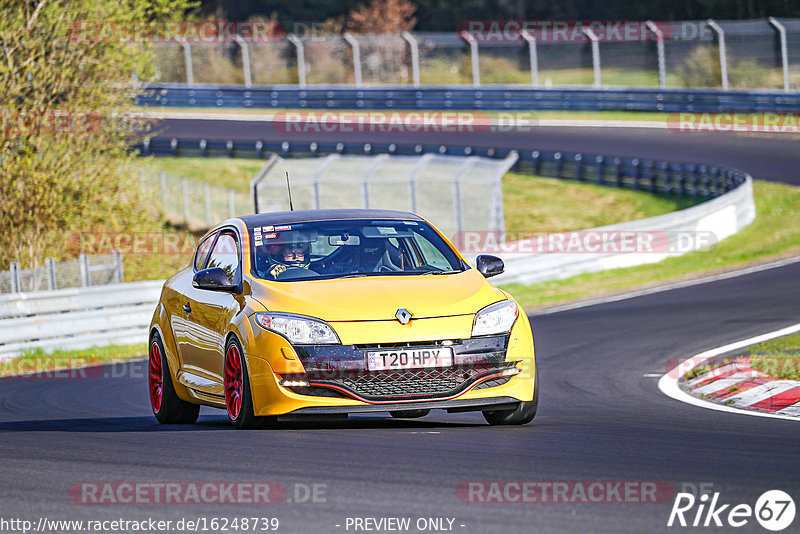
(403, 315)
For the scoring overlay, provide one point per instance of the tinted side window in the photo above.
(225, 255)
(202, 252)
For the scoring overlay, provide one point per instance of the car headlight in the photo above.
(298, 329)
(497, 318)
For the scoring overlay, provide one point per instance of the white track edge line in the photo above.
(668, 383)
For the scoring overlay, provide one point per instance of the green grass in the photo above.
(232, 173)
(778, 358)
(773, 234)
(535, 204)
(521, 114)
(37, 361)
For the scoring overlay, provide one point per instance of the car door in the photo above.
(206, 316)
(181, 302)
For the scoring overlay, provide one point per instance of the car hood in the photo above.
(377, 298)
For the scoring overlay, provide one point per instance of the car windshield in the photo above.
(349, 248)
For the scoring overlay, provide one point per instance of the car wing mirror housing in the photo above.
(213, 279)
(489, 266)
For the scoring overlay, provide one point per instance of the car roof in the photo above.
(290, 217)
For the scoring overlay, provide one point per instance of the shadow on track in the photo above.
(149, 424)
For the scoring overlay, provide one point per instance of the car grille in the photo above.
(341, 368)
(408, 383)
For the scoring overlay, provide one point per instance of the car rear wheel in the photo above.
(238, 398)
(521, 415)
(409, 414)
(167, 406)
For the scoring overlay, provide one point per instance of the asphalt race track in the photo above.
(601, 415)
(767, 157)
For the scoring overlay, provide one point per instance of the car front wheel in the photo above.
(521, 415)
(238, 398)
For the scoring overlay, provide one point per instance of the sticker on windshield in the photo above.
(258, 242)
(387, 230)
(282, 228)
(270, 236)
(269, 228)
(410, 223)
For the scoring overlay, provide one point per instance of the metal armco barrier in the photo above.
(491, 98)
(77, 318)
(655, 176)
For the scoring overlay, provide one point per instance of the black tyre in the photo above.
(409, 414)
(521, 415)
(238, 397)
(167, 406)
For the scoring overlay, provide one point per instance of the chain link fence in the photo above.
(456, 193)
(85, 271)
(197, 205)
(748, 54)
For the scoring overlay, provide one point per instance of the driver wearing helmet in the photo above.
(288, 255)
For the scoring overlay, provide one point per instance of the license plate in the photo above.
(391, 359)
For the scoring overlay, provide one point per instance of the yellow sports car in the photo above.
(334, 312)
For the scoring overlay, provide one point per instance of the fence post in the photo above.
(356, 56)
(414, 45)
(185, 191)
(119, 272)
(231, 203)
(207, 199)
(473, 52)
(784, 52)
(83, 262)
(301, 58)
(187, 58)
(533, 55)
(14, 272)
(595, 55)
(662, 69)
(248, 80)
(601, 169)
(50, 265)
(723, 58)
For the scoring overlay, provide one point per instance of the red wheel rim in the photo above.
(156, 377)
(233, 381)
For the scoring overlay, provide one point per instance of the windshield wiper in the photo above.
(439, 272)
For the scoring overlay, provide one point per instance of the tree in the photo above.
(66, 129)
(383, 16)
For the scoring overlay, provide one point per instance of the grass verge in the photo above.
(773, 234)
(37, 361)
(520, 113)
(778, 358)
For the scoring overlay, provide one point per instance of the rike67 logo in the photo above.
(774, 510)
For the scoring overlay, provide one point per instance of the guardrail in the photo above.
(710, 221)
(77, 318)
(491, 98)
(655, 176)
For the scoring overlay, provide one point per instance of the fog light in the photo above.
(294, 383)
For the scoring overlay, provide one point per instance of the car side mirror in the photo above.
(489, 266)
(213, 279)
